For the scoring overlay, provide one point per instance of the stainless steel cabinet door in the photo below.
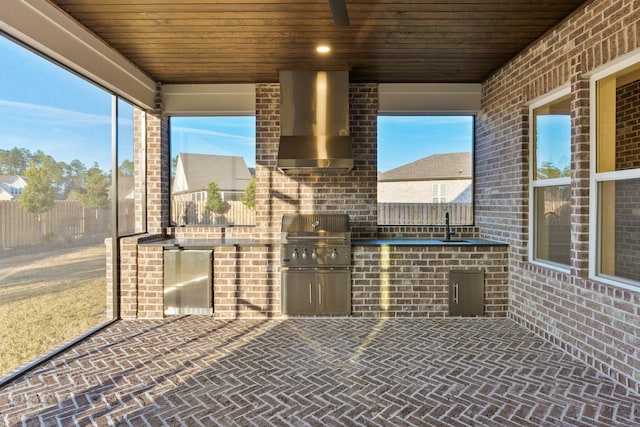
(188, 287)
(298, 292)
(466, 292)
(323, 292)
(334, 292)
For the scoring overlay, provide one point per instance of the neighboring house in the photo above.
(194, 172)
(439, 178)
(11, 186)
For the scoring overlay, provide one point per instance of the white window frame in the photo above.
(627, 61)
(561, 92)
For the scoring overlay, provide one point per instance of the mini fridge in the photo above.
(188, 284)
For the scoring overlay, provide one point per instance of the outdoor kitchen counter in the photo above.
(172, 243)
(426, 242)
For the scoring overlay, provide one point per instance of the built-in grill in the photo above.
(316, 264)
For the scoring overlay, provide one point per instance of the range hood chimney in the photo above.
(314, 122)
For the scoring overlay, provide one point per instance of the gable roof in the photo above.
(435, 167)
(194, 172)
(13, 180)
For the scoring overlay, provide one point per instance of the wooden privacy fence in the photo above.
(424, 213)
(194, 213)
(66, 220)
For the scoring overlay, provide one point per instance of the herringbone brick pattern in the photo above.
(317, 372)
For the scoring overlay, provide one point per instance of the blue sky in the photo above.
(553, 140)
(403, 139)
(227, 136)
(44, 107)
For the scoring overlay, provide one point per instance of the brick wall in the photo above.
(157, 169)
(353, 192)
(595, 322)
(412, 281)
(246, 282)
(150, 292)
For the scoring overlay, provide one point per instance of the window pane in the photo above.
(553, 220)
(425, 169)
(212, 170)
(552, 138)
(131, 176)
(55, 166)
(619, 222)
(618, 121)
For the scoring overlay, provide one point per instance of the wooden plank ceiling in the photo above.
(246, 41)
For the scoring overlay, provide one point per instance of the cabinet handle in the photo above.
(455, 293)
(310, 294)
(319, 293)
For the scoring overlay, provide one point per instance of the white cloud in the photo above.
(242, 139)
(12, 111)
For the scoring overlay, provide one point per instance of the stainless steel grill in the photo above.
(316, 241)
(315, 258)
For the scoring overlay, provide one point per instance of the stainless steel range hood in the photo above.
(314, 122)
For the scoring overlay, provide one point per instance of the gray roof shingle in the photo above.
(229, 172)
(437, 166)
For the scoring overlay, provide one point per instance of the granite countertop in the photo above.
(173, 243)
(170, 243)
(427, 242)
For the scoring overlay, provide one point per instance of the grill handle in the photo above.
(316, 238)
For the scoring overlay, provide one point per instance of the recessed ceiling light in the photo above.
(323, 49)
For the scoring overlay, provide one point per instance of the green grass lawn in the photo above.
(46, 301)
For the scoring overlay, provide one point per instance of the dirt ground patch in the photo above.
(13, 268)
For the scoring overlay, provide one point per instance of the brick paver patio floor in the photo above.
(297, 372)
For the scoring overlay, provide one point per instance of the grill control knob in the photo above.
(305, 255)
(334, 254)
(295, 254)
(314, 254)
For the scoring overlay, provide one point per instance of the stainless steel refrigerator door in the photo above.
(188, 287)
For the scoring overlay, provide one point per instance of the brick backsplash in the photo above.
(354, 192)
(596, 322)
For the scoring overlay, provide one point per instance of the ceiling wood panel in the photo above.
(247, 41)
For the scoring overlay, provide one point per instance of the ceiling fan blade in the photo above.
(339, 12)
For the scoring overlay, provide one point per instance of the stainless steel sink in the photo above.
(454, 241)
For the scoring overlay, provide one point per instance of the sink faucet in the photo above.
(448, 232)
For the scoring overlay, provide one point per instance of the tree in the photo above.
(96, 194)
(74, 177)
(548, 170)
(214, 199)
(174, 166)
(53, 169)
(126, 168)
(39, 195)
(249, 197)
(14, 161)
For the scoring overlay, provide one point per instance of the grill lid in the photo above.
(315, 224)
